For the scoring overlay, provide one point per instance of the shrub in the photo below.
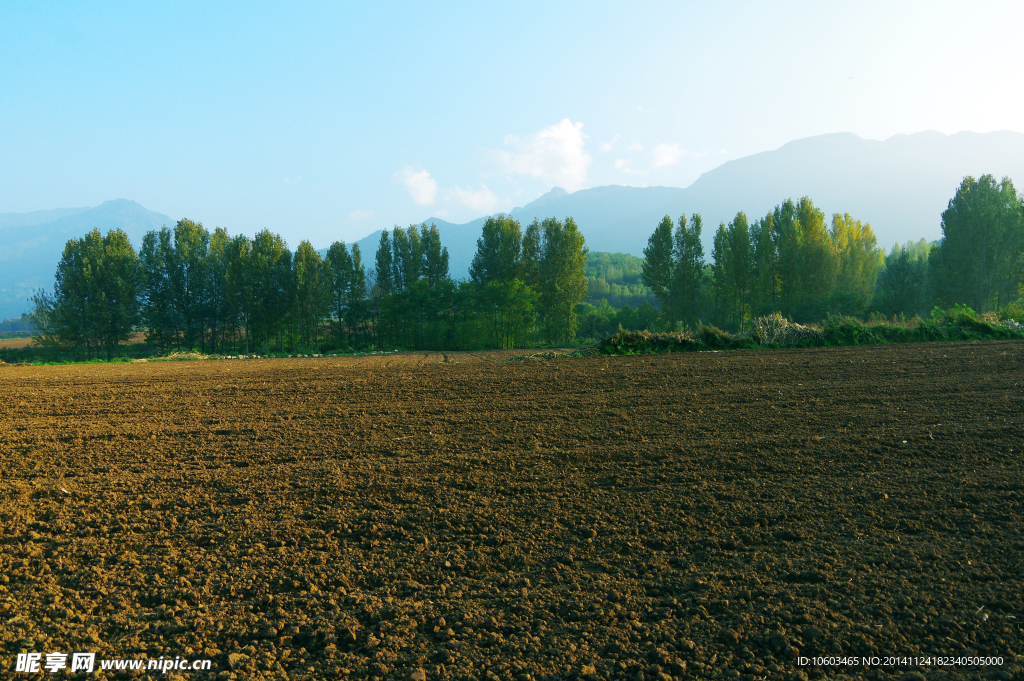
(957, 323)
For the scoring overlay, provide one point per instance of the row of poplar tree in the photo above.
(791, 261)
(192, 289)
(189, 289)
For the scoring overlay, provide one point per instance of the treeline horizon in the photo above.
(191, 289)
(793, 262)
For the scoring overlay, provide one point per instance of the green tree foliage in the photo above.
(189, 280)
(95, 302)
(240, 292)
(674, 267)
(383, 282)
(617, 278)
(313, 295)
(347, 286)
(192, 289)
(902, 287)
(980, 260)
(766, 276)
(499, 252)
(508, 313)
(219, 317)
(157, 298)
(562, 282)
(601, 321)
(858, 264)
(816, 264)
(270, 271)
(786, 261)
(412, 298)
(435, 257)
(660, 265)
(733, 271)
(529, 261)
(503, 261)
(688, 278)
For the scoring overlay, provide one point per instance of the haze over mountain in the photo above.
(31, 243)
(900, 185)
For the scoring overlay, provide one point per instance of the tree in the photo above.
(342, 271)
(734, 265)
(765, 239)
(499, 252)
(383, 265)
(817, 263)
(902, 286)
(222, 327)
(688, 277)
(659, 270)
(158, 309)
(95, 302)
(563, 282)
(858, 264)
(719, 278)
(529, 262)
(980, 260)
(240, 289)
(270, 271)
(119, 290)
(356, 313)
(674, 267)
(189, 280)
(435, 256)
(509, 311)
(312, 294)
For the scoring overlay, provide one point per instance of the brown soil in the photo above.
(15, 343)
(700, 515)
(18, 343)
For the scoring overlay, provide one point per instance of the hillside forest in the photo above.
(187, 288)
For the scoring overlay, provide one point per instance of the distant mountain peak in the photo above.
(119, 202)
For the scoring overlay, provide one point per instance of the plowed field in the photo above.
(435, 516)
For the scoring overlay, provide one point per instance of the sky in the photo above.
(327, 121)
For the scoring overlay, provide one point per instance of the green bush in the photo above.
(959, 323)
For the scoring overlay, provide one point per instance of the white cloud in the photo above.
(636, 146)
(666, 155)
(360, 214)
(482, 200)
(607, 146)
(421, 186)
(623, 165)
(296, 180)
(554, 155)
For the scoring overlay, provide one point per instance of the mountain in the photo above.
(31, 244)
(900, 185)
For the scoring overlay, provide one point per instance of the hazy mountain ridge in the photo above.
(900, 185)
(31, 243)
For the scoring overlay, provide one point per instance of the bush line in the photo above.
(960, 323)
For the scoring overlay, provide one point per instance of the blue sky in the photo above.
(327, 121)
